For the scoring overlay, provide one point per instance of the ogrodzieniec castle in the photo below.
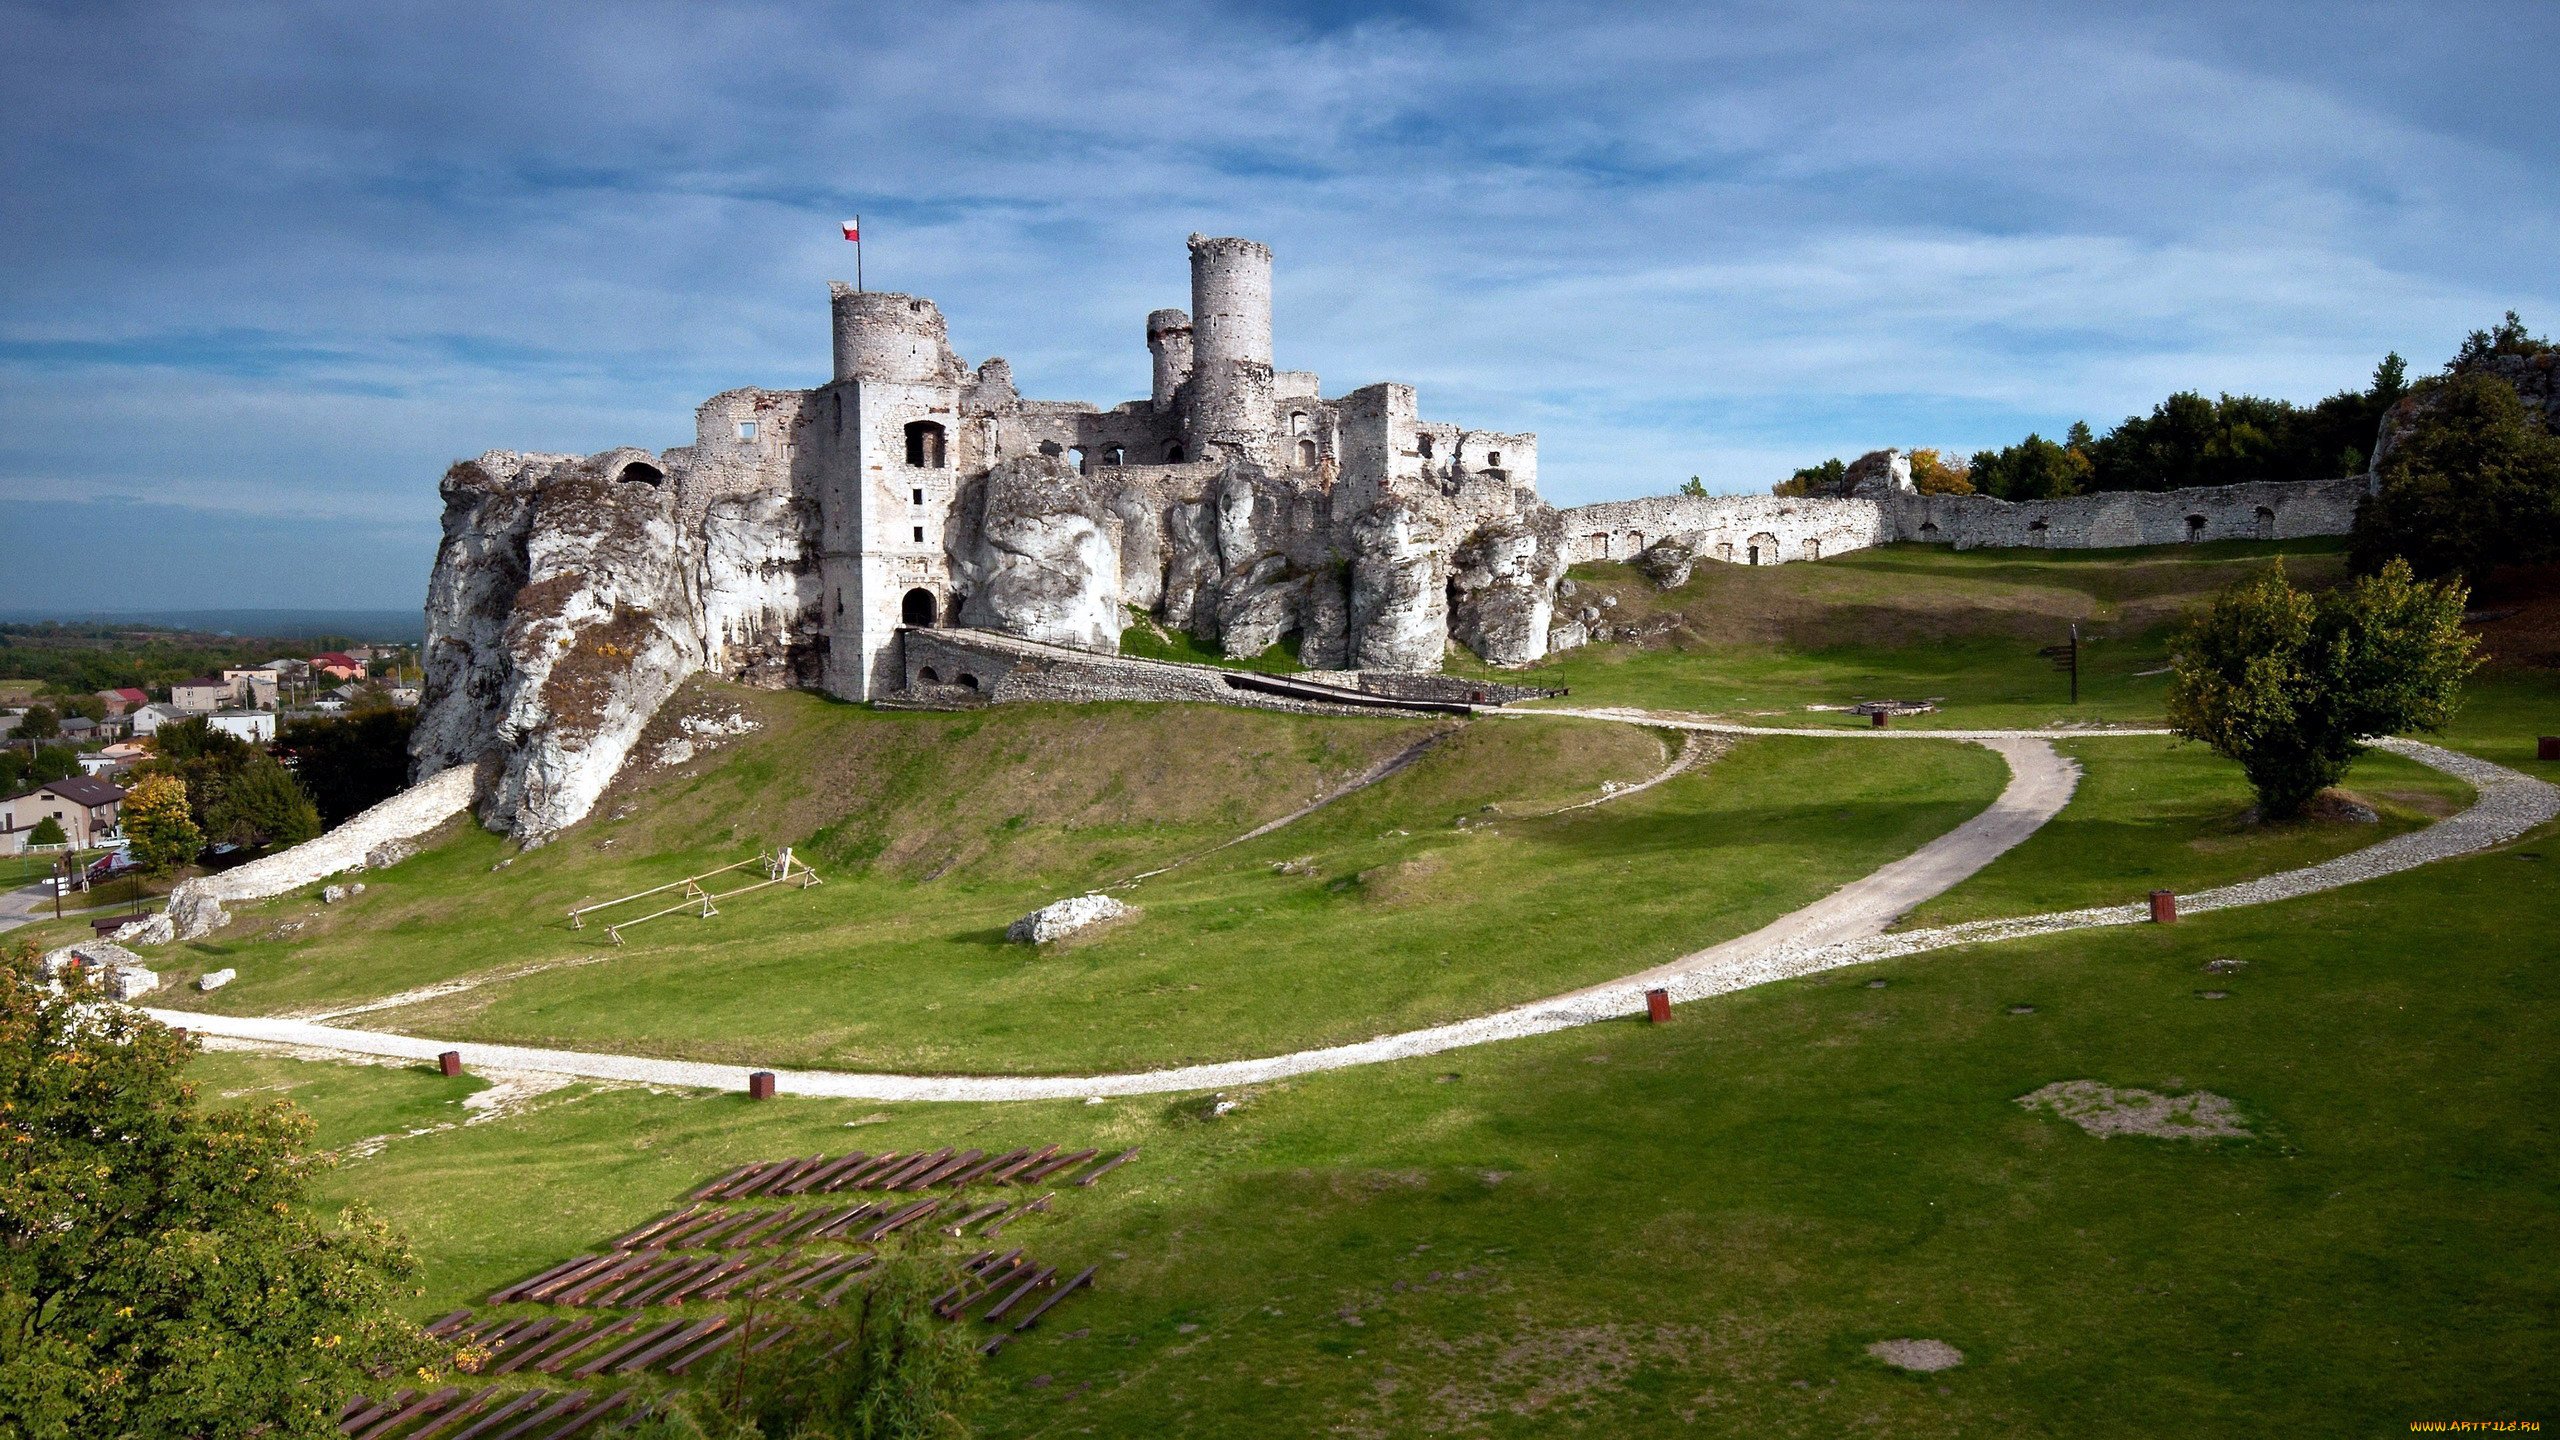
(915, 531)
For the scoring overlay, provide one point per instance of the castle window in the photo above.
(928, 676)
(925, 445)
(1173, 454)
(1050, 449)
(1297, 422)
(746, 429)
(919, 534)
(2195, 527)
(968, 682)
(1307, 454)
(1423, 443)
(917, 610)
(1083, 466)
(1115, 456)
(918, 493)
(1493, 459)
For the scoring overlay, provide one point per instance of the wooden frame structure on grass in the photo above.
(780, 868)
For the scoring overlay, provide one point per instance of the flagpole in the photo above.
(857, 254)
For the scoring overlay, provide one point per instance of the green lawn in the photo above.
(1632, 1230)
(2153, 814)
(1442, 893)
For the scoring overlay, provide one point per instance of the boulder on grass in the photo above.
(1062, 918)
(149, 930)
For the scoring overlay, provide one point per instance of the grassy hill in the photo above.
(1617, 1230)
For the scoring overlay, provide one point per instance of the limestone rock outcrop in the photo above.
(1062, 918)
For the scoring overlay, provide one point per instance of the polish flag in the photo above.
(853, 230)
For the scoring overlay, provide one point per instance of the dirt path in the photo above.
(1392, 765)
(1840, 929)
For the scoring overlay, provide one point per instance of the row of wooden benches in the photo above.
(488, 1415)
(903, 1170)
(704, 1227)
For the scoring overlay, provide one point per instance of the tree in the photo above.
(156, 820)
(161, 1273)
(48, 831)
(1823, 479)
(2033, 469)
(2470, 487)
(2291, 685)
(19, 769)
(2507, 338)
(1935, 473)
(1693, 486)
(351, 763)
(39, 723)
(263, 807)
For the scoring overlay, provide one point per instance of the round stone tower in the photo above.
(880, 336)
(1230, 402)
(1169, 340)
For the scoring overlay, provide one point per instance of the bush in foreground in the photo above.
(161, 1274)
(2291, 685)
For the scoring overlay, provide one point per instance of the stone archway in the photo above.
(918, 610)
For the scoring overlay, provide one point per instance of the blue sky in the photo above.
(270, 267)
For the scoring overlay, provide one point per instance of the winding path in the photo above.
(1844, 928)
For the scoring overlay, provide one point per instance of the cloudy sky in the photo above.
(270, 267)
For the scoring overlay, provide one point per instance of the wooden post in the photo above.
(1879, 719)
(2546, 747)
(2164, 906)
(1657, 1006)
(760, 1085)
(450, 1062)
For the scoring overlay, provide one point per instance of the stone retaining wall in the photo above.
(965, 666)
(195, 906)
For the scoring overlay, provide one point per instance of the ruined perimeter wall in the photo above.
(965, 666)
(1727, 527)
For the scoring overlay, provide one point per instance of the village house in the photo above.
(254, 688)
(202, 695)
(122, 701)
(88, 809)
(338, 665)
(150, 718)
(255, 726)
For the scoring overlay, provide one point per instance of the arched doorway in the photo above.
(925, 448)
(1764, 548)
(916, 611)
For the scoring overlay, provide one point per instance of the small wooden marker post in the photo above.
(1879, 719)
(1657, 1006)
(760, 1085)
(2164, 906)
(2546, 747)
(450, 1062)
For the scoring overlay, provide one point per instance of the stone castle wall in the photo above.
(1772, 529)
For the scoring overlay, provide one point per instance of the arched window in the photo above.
(641, 472)
(1928, 528)
(1297, 422)
(2195, 527)
(917, 609)
(1306, 454)
(1812, 549)
(1050, 449)
(1114, 455)
(968, 682)
(925, 448)
(1173, 453)
(2266, 522)
(1083, 465)
(928, 676)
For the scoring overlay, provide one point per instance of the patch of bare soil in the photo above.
(1405, 883)
(1549, 1369)
(1926, 1356)
(2104, 1110)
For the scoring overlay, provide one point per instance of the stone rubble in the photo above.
(1061, 918)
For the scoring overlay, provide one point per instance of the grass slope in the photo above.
(1698, 1228)
(1443, 892)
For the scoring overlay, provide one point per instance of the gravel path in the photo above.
(1839, 930)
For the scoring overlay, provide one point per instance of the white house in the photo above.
(255, 726)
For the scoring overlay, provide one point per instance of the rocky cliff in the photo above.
(572, 596)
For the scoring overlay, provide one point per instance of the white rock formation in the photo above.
(216, 979)
(195, 906)
(1063, 917)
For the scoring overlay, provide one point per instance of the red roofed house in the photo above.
(120, 701)
(338, 666)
